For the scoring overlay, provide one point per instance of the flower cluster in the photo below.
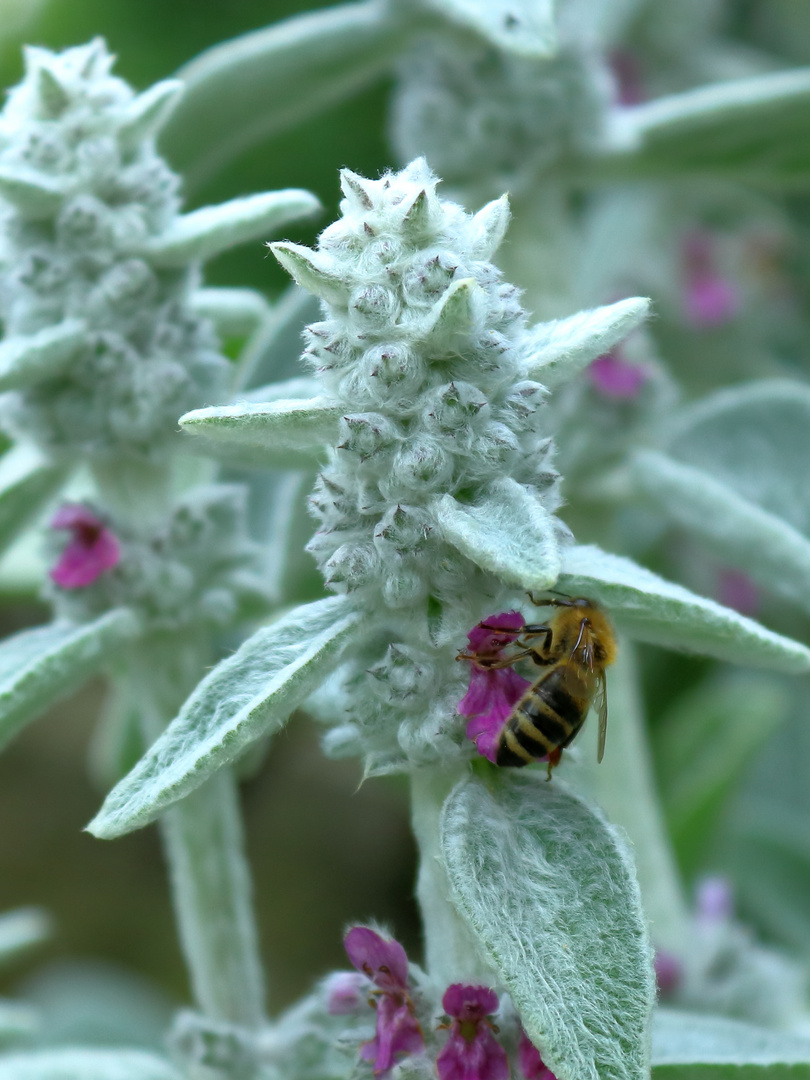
(425, 354)
(474, 1048)
(89, 196)
(198, 568)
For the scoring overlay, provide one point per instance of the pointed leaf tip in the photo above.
(489, 227)
(313, 271)
(149, 111)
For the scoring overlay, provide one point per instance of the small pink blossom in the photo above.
(346, 991)
(531, 1064)
(614, 377)
(709, 299)
(668, 972)
(492, 692)
(628, 77)
(385, 963)
(471, 1052)
(714, 900)
(736, 590)
(91, 550)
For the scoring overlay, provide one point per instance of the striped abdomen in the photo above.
(546, 718)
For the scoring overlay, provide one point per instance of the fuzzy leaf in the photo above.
(206, 232)
(523, 27)
(20, 930)
(246, 696)
(27, 360)
(78, 1063)
(280, 434)
(453, 315)
(652, 609)
(755, 127)
(549, 889)
(37, 667)
(773, 553)
(691, 1046)
(241, 92)
(313, 271)
(148, 113)
(34, 195)
(234, 312)
(509, 533)
(755, 439)
(27, 482)
(557, 351)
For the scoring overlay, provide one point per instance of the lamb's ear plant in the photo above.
(437, 507)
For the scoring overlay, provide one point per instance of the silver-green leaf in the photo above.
(206, 232)
(692, 1046)
(523, 27)
(18, 1022)
(509, 532)
(652, 609)
(556, 351)
(246, 696)
(21, 930)
(37, 667)
(27, 360)
(275, 434)
(78, 1063)
(27, 482)
(234, 312)
(548, 887)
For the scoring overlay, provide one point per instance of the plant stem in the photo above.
(204, 845)
(451, 951)
(624, 787)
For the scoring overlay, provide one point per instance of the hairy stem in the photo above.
(451, 951)
(204, 845)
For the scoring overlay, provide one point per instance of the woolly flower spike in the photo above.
(439, 493)
(385, 963)
(709, 299)
(472, 1052)
(531, 1064)
(492, 691)
(613, 377)
(92, 549)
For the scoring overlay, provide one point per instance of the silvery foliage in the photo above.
(88, 195)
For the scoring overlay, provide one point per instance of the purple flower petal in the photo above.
(736, 590)
(471, 1052)
(486, 643)
(92, 549)
(489, 701)
(383, 960)
(710, 300)
(398, 1032)
(613, 377)
(627, 72)
(668, 972)
(346, 991)
(531, 1064)
(715, 901)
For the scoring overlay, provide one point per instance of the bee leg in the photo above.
(553, 760)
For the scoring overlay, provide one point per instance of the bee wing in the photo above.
(600, 704)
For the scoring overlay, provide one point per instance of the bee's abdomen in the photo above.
(546, 718)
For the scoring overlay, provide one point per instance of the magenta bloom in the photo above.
(709, 299)
(668, 973)
(92, 548)
(613, 377)
(715, 902)
(531, 1064)
(385, 963)
(492, 691)
(736, 590)
(346, 991)
(629, 80)
(471, 1052)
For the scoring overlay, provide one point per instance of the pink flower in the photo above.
(613, 377)
(346, 991)
(91, 550)
(736, 590)
(709, 299)
(385, 963)
(471, 1052)
(668, 973)
(715, 902)
(628, 77)
(492, 691)
(531, 1064)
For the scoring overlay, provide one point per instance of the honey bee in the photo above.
(575, 646)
